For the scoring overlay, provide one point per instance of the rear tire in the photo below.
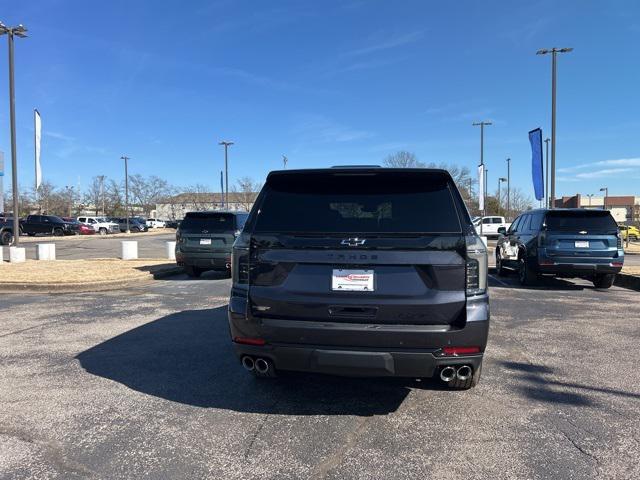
(468, 383)
(6, 238)
(526, 276)
(31, 234)
(58, 232)
(192, 272)
(102, 231)
(604, 280)
(499, 267)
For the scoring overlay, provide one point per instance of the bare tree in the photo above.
(197, 196)
(146, 192)
(403, 159)
(246, 192)
(96, 193)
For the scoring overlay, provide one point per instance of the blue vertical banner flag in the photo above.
(537, 172)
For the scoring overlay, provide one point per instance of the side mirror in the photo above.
(502, 230)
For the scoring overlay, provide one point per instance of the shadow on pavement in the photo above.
(544, 283)
(532, 383)
(187, 357)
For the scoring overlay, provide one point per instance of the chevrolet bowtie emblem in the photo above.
(353, 242)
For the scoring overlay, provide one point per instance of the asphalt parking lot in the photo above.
(143, 383)
(98, 246)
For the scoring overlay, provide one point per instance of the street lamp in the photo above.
(500, 180)
(482, 124)
(126, 189)
(70, 196)
(554, 53)
(226, 172)
(20, 32)
(589, 195)
(606, 195)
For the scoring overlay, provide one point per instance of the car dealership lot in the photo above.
(98, 246)
(143, 382)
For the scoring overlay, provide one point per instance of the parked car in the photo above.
(562, 242)
(361, 271)
(204, 240)
(135, 225)
(172, 224)
(632, 231)
(101, 225)
(155, 223)
(488, 226)
(48, 225)
(6, 231)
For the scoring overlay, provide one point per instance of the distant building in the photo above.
(174, 208)
(624, 209)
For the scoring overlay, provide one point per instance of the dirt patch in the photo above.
(634, 247)
(80, 271)
(633, 270)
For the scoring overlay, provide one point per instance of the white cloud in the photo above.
(319, 129)
(391, 42)
(620, 162)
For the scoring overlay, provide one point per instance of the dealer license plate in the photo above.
(205, 241)
(582, 244)
(352, 280)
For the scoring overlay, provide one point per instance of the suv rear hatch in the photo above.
(378, 247)
(207, 232)
(580, 235)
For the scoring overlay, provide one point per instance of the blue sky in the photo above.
(325, 83)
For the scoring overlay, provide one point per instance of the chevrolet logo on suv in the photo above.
(353, 242)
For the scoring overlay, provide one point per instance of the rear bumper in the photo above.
(356, 362)
(212, 261)
(579, 266)
(360, 349)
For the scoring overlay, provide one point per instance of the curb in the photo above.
(627, 281)
(85, 287)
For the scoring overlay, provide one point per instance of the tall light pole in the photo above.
(554, 53)
(500, 180)
(20, 32)
(484, 193)
(606, 195)
(102, 177)
(70, 195)
(226, 172)
(508, 188)
(589, 195)
(546, 186)
(126, 189)
(486, 183)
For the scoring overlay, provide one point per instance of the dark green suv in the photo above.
(204, 241)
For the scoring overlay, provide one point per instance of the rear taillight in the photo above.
(240, 260)
(249, 341)
(619, 240)
(476, 265)
(460, 350)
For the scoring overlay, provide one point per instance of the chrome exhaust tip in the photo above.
(447, 374)
(464, 372)
(262, 365)
(248, 363)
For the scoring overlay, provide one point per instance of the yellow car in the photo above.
(633, 232)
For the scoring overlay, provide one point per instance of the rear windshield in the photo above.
(391, 202)
(212, 222)
(587, 220)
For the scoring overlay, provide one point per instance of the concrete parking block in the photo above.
(17, 254)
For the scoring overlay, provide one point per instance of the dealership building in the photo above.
(625, 209)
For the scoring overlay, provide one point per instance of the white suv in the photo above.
(155, 223)
(100, 224)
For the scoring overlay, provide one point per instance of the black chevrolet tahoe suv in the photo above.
(362, 271)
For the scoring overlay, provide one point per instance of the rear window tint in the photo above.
(213, 222)
(589, 220)
(391, 202)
